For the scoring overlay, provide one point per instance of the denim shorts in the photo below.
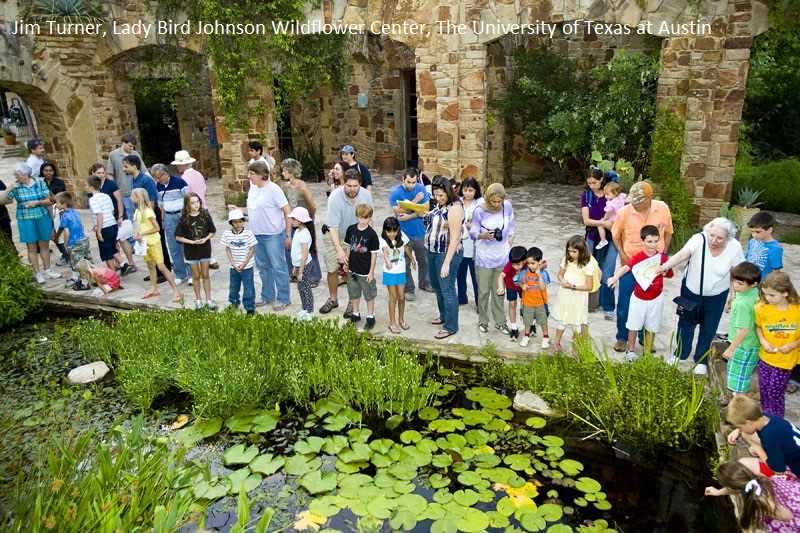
(197, 261)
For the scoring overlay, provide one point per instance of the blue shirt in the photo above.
(147, 183)
(768, 256)
(71, 220)
(171, 195)
(780, 439)
(415, 227)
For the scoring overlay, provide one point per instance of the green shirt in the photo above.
(743, 315)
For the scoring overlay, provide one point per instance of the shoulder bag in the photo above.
(689, 310)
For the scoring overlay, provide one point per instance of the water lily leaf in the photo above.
(570, 467)
(359, 434)
(550, 512)
(381, 445)
(316, 482)
(532, 522)
(477, 437)
(409, 436)
(326, 406)
(469, 478)
(403, 470)
(350, 468)
(403, 520)
(467, 497)
(402, 486)
(442, 460)
(393, 421)
(435, 511)
(416, 457)
(300, 465)
(334, 444)
(211, 491)
(535, 422)
(453, 440)
(358, 451)
(496, 425)
(473, 520)
(476, 418)
(240, 422)
(325, 506)
(443, 496)
(266, 464)
(603, 505)
(488, 398)
(381, 461)
(580, 502)
(236, 455)
(552, 440)
(247, 484)
(587, 485)
(496, 475)
(485, 494)
(559, 528)
(189, 436)
(354, 481)
(384, 479)
(517, 462)
(506, 506)
(307, 520)
(428, 413)
(444, 525)
(497, 520)
(337, 422)
(311, 445)
(427, 445)
(437, 480)
(486, 460)
(380, 507)
(266, 421)
(414, 503)
(443, 425)
(516, 481)
(505, 414)
(554, 452)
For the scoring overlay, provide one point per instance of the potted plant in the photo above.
(9, 135)
(746, 206)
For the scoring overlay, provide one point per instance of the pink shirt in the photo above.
(612, 206)
(196, 183)
(107, 276)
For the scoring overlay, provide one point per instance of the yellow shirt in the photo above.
(143, 223)
(779, 328)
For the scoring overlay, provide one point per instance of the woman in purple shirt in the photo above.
(593, 205)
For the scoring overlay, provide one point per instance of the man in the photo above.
(641, 210)
(132, 165)
(256, 150)
(116, 172)
(341, 215)
(411, 190)
(349, 157)
(171, 190)
(196, 182)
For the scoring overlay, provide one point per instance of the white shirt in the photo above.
(397, 256)
(717, 274)
(301, 236)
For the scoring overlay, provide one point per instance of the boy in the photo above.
(534, 297)
(102, 208)
(71, 228)
(507, 284)
(240, 246)
(362, 253)
(774, 441)
(763, 250)
(647, 304)
(743, 350)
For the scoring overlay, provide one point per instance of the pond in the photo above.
(466, 462)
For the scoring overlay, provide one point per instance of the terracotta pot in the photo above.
(11, 140)
(387, 163)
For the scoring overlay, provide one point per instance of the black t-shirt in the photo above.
(56, 186)
(194, 228)
(362, 244)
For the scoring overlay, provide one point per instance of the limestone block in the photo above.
(529, 402)
(88, 373)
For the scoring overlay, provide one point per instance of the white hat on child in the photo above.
(235, 214)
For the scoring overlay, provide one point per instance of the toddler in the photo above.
(534, 297)
(615, 200)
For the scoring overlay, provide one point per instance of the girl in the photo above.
(304, 250)
(771, 504)
(105, 278)
(195, 230)
(394, 245)
(575, 276)
(777, 319)
(144, 220)
(471, 198)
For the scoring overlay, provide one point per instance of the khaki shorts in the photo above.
(358, 286)
(530, 313)
(329, 256)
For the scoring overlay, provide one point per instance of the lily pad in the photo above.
(358, 451)
(496, 425)
(381, 445)
(587, 485)
(532, 522)
(536, 422)
(393, 421)
(443, 425)
(316, 482)
(266, 421)
(467, 497)
(570, 467)
(469, 478)
(380, 507)
(325, 506)
(550, 512)
(444, 525)
(266, 464)
(206, 490)
(311, 445)
(300, 465)
(359, 434)
(403, 520)
(236, 455)
(438, 480)
(477, 437)
(427, 445)
(603, 505)
(409, 436)
(473, 520)
(517, 462)
(403, 470)
(428, 413)
(412, 502)
(334, 444)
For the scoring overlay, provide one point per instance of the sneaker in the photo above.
(40, 278)
(700, 370)
(62, 261)
(49, 274)
(348, 312)
(198, 305)
(70, 283)
(355, 318)
(503, 329)
(213, 266)
(533, 329)
(190, 282)
(514, 334)
(673, 361)
(483, 328)
(124, 269)
(631, 357)
(280, 306)
(525, 340)
(410, 296)
(610, 316)
(260, 303)
(427, 289)
(304, 316)
(545, 343)
(178, 281)
(328, 306)
(620, 346)
(601, 245)
(211, 304)
(81, 285)
(251, 312)
(370, 323)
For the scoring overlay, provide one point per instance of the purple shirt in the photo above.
(597, 206)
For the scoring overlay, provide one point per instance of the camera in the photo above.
(498, 234)
(325, 229)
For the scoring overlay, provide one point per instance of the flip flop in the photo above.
(791, 388)
(443, 334)
(437, 321)
(151, 295)
(394, 329)
(177, 298)
(405, 325)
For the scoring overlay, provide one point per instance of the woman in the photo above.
(723, 252)
(593, 205)
(492, 228)
(33, 218)
(470, 193)
(49, 172)
(443, 227)
(299, 195)
(268, 212)
(336, 176)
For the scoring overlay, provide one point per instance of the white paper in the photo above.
(644, 272)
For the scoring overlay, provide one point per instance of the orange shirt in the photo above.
(629, 223)
(536, 293)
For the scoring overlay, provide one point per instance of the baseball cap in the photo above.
(348, 148)
(640, 191)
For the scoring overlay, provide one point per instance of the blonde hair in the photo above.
(742, 409)
(144, 198)
(84, 268)
(780, 282)
(493, 191)
(364, 211)
(612, 188)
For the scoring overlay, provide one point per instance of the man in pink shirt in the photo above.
(195, 181)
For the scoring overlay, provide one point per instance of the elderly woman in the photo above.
(443, 226)
(492, 229)
(33, 218)
(722, 252)
(593, 204)
(299, 195)
(268, 211)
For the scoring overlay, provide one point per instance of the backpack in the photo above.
(596, 276)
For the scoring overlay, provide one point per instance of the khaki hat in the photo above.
(640, 191)
(182, 157)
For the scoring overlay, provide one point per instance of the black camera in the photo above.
(498, 234)
(325, 229)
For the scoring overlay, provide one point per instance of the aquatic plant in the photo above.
(19, 294)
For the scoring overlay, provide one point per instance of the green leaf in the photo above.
(517, 462)
(536, 422)
(325, 506)
(392, 423)
(444, 525)
(587, 485)
(266, 421)
(603, 505)
(438, 480)
(266, 464)
(236, 455)
(405, 470)
(559, 528)
(409, 436)
(428, 413)
(380, 507)
(211, 491)
(403, 520)
(473, 520)
(381, 445)
(312, 445)
(315, 482)
(570, 467)
(300, 465)
(334, 444)
(467, 497)
(532, 522)
(550, 512)
(469, 478)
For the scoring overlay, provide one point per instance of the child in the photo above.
(144, 220)
(394, 245)
(507, 284)
(240, 246)
(534, 297)
(773, 441)
(771, 504)
(71, 229)
(615, 200)
(777, 319)
(304, 249)
(762, 249)
(576, 279)
(195, 230)
(105, 278)
(362, 252)
(105, 224)
(647, 304)
(742, 354)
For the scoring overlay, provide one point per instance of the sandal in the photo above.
(791, 388)
(394, 329)
(443, 334)
(405, 325)
(328, 306)
(150, 295)
(437, 321)
(177, 298)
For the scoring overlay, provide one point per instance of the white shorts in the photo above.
(645, 314)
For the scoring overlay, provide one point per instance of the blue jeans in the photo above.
(179, 267)
(271, 263)
(607, 258)
(467, 266)
(713, 307)
(445, 289)
(129, 210)
(625, 284)
(245, 279)
(417, 246)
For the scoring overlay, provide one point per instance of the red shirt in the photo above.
(510, 272)
(657, 286)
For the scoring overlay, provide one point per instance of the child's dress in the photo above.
(787, 494)
(612, 206)
(572, 307)
(107, 277)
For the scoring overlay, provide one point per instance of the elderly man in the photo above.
(341, 215)
(196, 182)
(641, 211)
(171, 190)
(412, 191)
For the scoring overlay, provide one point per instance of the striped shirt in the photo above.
(240, 244)
(101, 204)
(37, 191)
(170, 196)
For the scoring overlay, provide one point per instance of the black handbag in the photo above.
(689, 310)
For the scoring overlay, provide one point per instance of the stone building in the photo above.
(420, 82)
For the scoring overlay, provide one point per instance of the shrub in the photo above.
(777, 180)
(665, 168)
(19, 293)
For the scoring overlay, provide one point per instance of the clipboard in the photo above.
(410, 206)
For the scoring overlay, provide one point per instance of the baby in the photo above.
(615, 200)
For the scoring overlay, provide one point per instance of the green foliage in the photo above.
(565, 112)
(19, 293)
(778, 181)
(747, 197)
(70, 11)
(232, 362)
(626, 174)
(665, 168)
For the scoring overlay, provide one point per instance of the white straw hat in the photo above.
(182, 157)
